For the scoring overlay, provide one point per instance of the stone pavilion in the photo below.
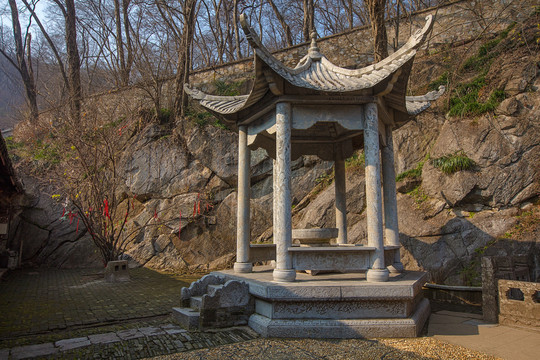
(318, 108)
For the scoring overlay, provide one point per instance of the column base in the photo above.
(377, 275)
(284, 275)
(396, 268)
(243, 267)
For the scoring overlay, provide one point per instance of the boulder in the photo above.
(216, 149)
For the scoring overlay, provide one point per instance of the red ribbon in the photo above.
(106, 208)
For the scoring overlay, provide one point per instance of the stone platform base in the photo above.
(342, 329)
(335, 305)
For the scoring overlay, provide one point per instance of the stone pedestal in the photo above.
(335, 305)
(117, 271)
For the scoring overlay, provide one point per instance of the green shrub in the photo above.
(12, 144)
(357, 160)
(486, 52)
(46, 153)
(453, 163)
(165, 116)
(220, 125)
(228, 89)
(464, 100)
(199, 118)
(418, 195)
(414, 173)
(441, 80)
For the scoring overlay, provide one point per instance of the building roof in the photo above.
(316, 75)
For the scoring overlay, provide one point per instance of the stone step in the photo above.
(211, 289)
(188, 318)
(195, 302)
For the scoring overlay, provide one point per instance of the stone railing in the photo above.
(519, 304)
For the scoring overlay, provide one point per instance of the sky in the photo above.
(23, 17)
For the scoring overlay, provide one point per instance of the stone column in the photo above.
(378, 271)
(282, 195)
(242, 264)
(390, 200)
(341, 202)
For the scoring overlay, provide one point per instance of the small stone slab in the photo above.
(173, 329)
(129, 334)
(30, 351)
(74, 343)
(151, 331)
(106, 338)
(188, 318)
(178, 344)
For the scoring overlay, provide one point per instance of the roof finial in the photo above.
(313, 51)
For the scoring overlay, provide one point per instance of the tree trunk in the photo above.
(309, 19)
(236, 31)
(24, 69)
(184, 57)
(378, 29)
(284, 25)
(120, 44)
(74, 66)
(129, 45)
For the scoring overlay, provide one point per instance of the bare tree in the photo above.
(72, 79)
(23, 62)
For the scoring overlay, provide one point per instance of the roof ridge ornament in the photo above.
(313, 51)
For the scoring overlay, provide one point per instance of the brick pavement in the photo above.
(43, 300)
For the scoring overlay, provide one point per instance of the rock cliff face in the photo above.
(446, 220)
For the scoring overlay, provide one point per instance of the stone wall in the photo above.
(519, 304)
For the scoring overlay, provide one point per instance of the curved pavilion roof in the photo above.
(316, 75)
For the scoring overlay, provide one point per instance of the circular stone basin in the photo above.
(314, 237)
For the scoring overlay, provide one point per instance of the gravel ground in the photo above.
(387, 349)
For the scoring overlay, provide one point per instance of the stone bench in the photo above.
(342, 258)
(309, 255)
(332, 258)
(262, 252)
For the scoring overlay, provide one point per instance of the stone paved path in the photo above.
(135, 343)
(39, 301)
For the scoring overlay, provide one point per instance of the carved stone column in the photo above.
(341, 201)
(242, 264)
(377, 272)
(282, 195)
(390, 200)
